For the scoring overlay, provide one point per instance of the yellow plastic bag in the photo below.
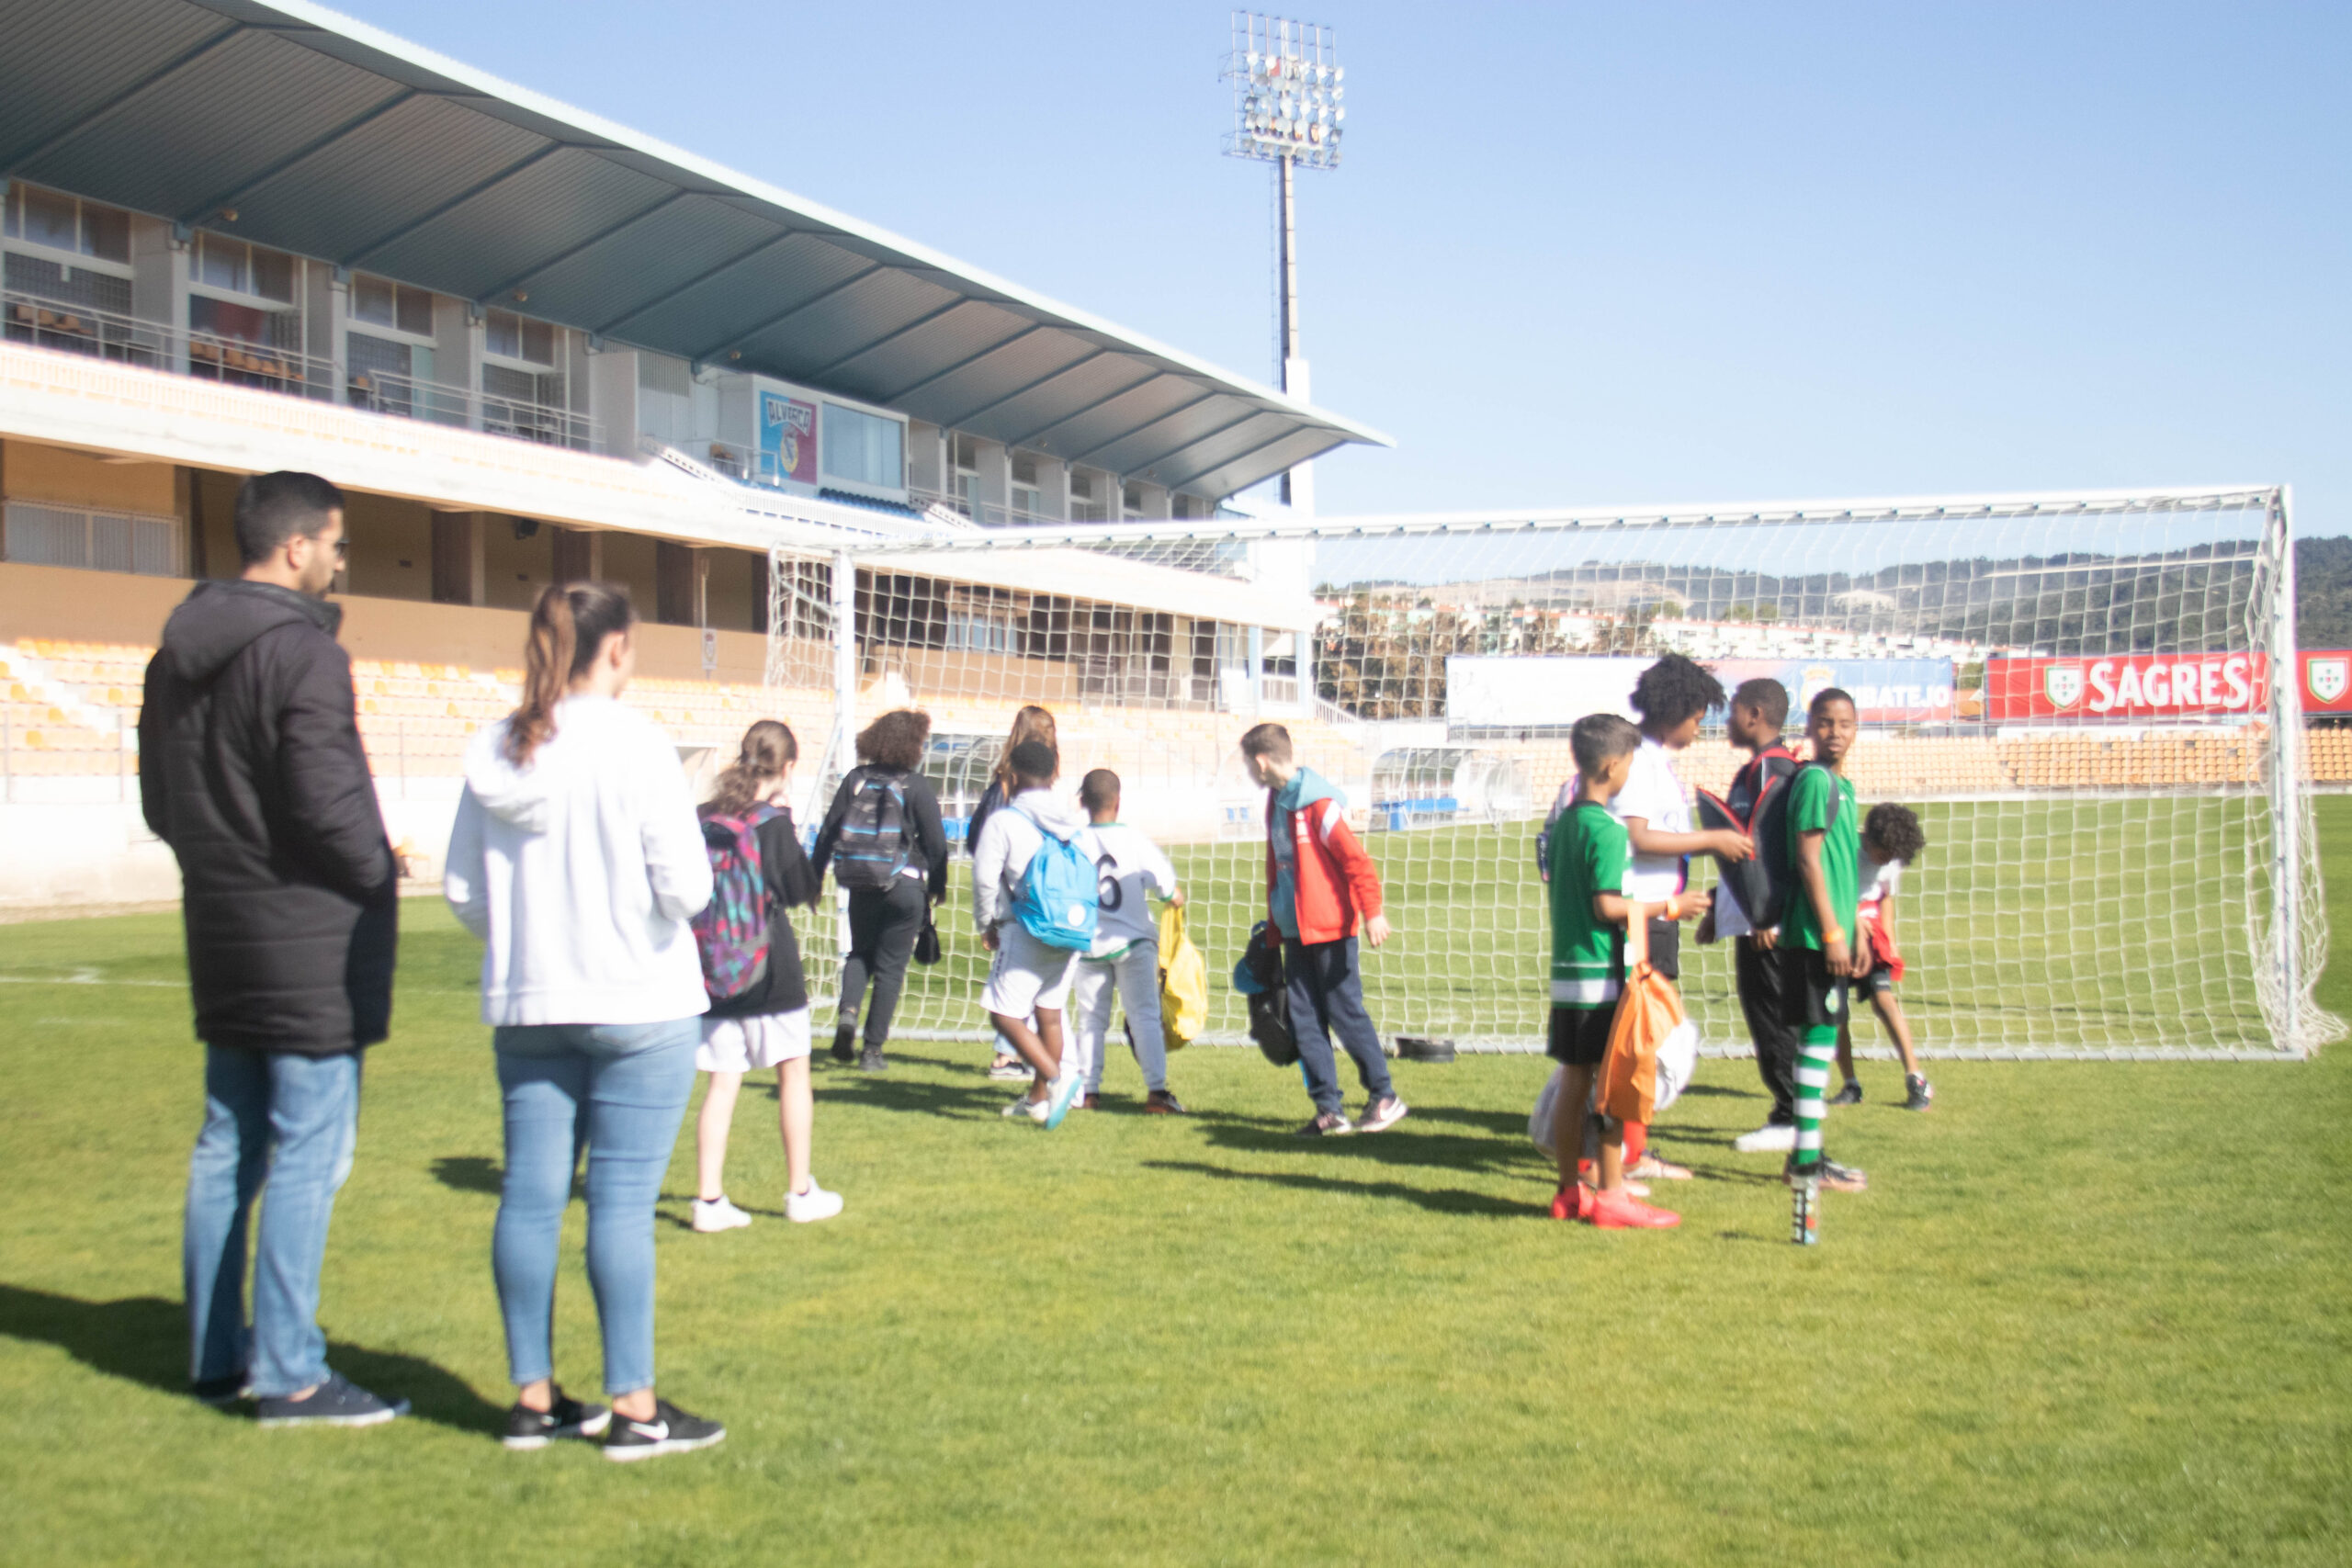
(1650, 1009)
(1184, 982)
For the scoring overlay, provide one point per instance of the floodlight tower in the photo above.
(1288, 106)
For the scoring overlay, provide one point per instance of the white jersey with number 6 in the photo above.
(1131, 868)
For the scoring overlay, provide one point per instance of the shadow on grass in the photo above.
(144, 1339)
(1438, 1200)
(886, 1092)
(468, 1173)
(1412, 1142)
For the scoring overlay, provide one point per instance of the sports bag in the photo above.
(1060, 894)
(1258, 978)
(1183, 983)
(874, 843)
(1761, 883)
(732, 932)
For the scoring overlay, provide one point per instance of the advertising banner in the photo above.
(2139, 686)
(788, 438)
(1555, 692)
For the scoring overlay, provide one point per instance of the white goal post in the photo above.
(2092, 698)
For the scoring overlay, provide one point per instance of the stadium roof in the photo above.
(333, 139)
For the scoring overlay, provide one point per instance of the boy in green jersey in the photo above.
(1817, 946)
(1589, 852)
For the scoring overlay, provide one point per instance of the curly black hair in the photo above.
(1673, 689)
(1896, 828)
(896, 740)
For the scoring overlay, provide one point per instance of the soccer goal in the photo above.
(2090, 698)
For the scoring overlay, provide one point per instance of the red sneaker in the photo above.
(1620, 1212)
(1573, 1202)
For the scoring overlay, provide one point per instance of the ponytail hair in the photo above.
(768, 748)
(569, 626)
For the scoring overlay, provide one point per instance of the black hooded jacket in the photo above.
(250, 767)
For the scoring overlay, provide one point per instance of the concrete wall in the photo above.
(33, 472)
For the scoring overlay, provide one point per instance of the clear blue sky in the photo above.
(1633, 252)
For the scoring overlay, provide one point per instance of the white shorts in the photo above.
(739, 1045)
(1025, 974)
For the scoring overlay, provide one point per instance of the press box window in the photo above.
(1024, 485)
(384, 303)
(511, 336)
(66, 223)
(236, 268)
(863, 448)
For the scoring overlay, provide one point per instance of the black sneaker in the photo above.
(671, 1431)
(338, 1401)
(1850, 1095)
(845, 1045)
(565, 1417)
(1920, 1094)
(223, 1393)
(1329, 1125)
(870, 1060)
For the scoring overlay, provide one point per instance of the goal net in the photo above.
(2090, 699)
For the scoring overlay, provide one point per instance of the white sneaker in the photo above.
(814, 1204)
(1773, 1138)
(719, 1214)
(1379, 1115)
(1035, 1110)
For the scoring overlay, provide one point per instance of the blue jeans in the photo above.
(289, 1121)
(1326, 999)
(620, 1091)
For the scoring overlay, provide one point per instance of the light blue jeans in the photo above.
(620, 1091)
(287, 1122)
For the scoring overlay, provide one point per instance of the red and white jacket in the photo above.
(1338, 883)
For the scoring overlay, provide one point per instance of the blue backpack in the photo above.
(731, 933)
(1059, 895)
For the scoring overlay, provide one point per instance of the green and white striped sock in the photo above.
(1812, 1078)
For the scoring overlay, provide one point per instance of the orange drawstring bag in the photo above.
(1649, 1011)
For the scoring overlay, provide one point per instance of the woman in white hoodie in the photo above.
(577, 859)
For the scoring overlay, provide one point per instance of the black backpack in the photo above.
(1270, 1004)
(1766, 882)
(874, 845)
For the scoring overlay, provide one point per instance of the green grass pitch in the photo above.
(2089, 1313)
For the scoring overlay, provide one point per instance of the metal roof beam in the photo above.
(963, 364)
(443, 211)
(1030, 436)
(120, 101)
(860, 275)
(666, 295)
(995, 403)
(1101, 447)
(246, 187)
(890, 337)
(598, 238)
(1241, 456)
(1192, 441)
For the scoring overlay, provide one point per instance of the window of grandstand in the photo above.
(1188, 507)
(860, 448)
(235, 267)
(975, 631)
(967, 462)
(380, 302)
(39, 534)
(1131, 503)
(66, 224)
(1087, 501)
(510, 336)
(1025, 497)
(520, 398)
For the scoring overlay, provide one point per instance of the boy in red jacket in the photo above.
(1317, 880)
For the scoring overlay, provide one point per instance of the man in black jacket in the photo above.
(250, 767)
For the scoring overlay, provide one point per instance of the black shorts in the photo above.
(1580, 1035)
(1811, 996)
(1879, 978)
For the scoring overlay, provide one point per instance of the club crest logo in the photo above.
(2063, 684)
(2327, 678)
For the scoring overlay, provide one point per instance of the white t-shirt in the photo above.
(1654, 793)
(1878, 879)
(1132, 869)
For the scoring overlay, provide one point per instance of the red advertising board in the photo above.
(2141, 686)
(2327, 681)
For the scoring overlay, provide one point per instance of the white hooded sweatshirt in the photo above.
(580, 872)
(1008, 841)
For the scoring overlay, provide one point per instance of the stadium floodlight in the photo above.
(1289, 105)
